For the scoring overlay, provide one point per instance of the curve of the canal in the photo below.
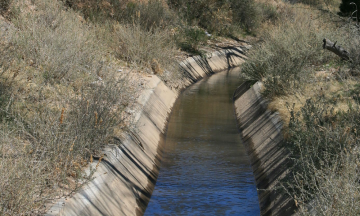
(205, 169)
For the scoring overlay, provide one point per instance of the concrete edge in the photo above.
(124, 180)
(261, 133)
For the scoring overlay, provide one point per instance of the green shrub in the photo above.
(190, 38)
(194, 11)
(269, 13)
(246, 14)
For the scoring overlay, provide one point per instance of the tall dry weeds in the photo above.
(289, 47)
(61, 102)
(141, 47)
(325, 153)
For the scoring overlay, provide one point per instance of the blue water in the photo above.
(205, 169)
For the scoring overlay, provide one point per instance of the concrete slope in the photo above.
(125, 178)
(262, 137)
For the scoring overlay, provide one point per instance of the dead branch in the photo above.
(338, 50)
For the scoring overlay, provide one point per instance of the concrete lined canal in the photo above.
(205, 169)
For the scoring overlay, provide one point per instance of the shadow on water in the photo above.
(205, 169)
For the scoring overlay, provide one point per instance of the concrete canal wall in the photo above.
(125, 178)
(262, 137)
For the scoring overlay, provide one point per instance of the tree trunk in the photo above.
(338, 50)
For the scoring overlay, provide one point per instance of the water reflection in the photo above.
(205, 169)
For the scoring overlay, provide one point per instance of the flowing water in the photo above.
(205, 169)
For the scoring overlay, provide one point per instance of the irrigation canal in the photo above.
(205, 169)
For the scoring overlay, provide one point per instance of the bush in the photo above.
(210, 15)
(150, 14)
(97, 10)
(280, 61)
(324, 148)
(41, 149)
(141, 47)
(153, 15)
(217, 16)
(57, 43)
(190, 38)
(246, 14)
(60, 104)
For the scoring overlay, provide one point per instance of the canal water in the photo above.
(205, 169)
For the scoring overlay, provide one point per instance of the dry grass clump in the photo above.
(152, 51)
(141, 47)
(337, 188)
(57, 41)
(325, 152)
(338, 94)
(294, 43)
(60, 104)
(224, 17)
(138, 32)
(148, 14)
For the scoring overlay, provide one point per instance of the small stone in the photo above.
(119, 70)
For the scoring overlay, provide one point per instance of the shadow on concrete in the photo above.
(262, 137)
(197, 67)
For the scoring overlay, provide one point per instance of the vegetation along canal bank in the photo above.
(299, 111)
(75, 74)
